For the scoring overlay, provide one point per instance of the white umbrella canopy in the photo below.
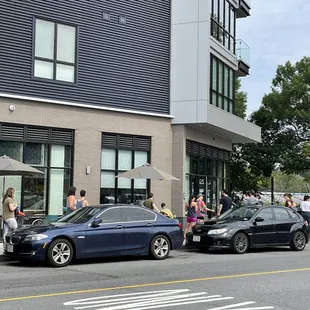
(9, 166)
(147, 171)
(12, 167)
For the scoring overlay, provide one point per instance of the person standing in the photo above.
(192, 211)
(225, 203)
(71, 200)
(82, 202)
(202, 209)
(289, 203)
(8, 212)
(149, 203)
(305, 208)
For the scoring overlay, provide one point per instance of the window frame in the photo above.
(220, 93)
(54, 61)
(216, 27)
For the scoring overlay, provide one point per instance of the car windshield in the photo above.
(242, 213)
(79, 216)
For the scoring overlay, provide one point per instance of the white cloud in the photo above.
(276, 32)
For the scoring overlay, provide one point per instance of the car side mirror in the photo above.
(96, 222)
(259, 219)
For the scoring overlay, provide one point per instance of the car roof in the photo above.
(112, 205)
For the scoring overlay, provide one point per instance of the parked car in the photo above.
(98, 231)
(247, 227)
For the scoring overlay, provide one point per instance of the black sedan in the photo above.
(247, 227)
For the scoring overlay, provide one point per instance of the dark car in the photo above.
(99, 231)
(247, 227)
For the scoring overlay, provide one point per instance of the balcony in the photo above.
(243, 56)
(244, 9)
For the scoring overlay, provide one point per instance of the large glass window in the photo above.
(45, 193)
(223, 18)
(222, 86)
(122, 190)
(55, 51)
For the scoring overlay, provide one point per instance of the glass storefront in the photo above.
(121, 153)
(207, 172)
(46, 193)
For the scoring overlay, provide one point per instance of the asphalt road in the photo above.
(261, 279)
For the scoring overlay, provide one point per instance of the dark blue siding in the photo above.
(120, 66)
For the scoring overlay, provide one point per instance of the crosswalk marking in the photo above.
(159, 299)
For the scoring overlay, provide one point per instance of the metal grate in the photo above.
(220, 154)
(109, 141)
(142, 143)
(37, 134)
(125, 142)
(195, 148)
(202, 150)
(61, 137)
(9, 132)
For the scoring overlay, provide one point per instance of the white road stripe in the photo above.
(241, 305)
(141, 299)
(166, 304)
(94, 300)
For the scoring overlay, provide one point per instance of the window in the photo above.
(43, 193)
(119, 154)
(135, 214)
(222, 86)
(281, 214)
(223, 19)
(55, 51)
(111, 216)
(266, 214)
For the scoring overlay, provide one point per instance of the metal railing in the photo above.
(243, 51)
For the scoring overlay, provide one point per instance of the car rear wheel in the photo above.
(60, 253)
(299, 241)
(240, 243)
(160, 247)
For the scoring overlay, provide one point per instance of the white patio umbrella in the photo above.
(12, 167)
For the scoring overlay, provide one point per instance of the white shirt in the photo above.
(305, 206)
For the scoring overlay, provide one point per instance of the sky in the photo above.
(276, 31)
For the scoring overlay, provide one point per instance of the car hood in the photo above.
(221, 224)
(53, 227)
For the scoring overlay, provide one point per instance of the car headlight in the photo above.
(35, 237)
(217, 231)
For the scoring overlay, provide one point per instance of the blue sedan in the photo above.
(98, 231)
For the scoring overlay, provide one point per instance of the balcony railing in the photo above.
(243, 51)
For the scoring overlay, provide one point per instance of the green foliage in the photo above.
(241, 99)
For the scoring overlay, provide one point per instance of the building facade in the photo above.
(206, 59)
(91, 89)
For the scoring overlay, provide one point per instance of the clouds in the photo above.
(277, 31)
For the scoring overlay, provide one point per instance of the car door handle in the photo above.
(149, 224)
(119, 227)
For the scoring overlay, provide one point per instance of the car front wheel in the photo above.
(160, 247)
(299, 241)
(60, 253)
(240, 243)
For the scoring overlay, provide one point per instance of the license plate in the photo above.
(10, 248)
(196, 238)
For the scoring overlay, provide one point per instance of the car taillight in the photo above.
(180, 225)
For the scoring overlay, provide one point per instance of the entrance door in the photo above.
(212, 199)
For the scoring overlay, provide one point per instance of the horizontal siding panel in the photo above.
(122, 66)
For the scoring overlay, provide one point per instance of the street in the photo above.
(261, 279)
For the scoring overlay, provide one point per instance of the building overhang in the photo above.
(244, 9)
(243, 68)
(224, 124)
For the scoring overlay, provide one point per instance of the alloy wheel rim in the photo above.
(241, 243)
(61, 253)
(300, 240)
(161, 247)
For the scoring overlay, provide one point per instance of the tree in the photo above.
(284, 119)
(241, 99)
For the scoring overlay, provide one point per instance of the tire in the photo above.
(299, 241)
(240, 243)
(60, 253)
(160, 247)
